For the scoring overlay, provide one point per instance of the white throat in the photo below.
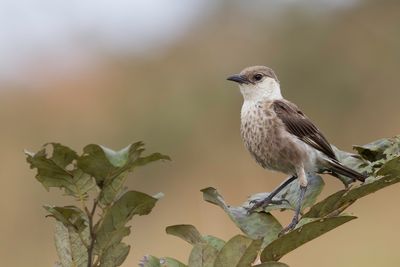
(268, 89)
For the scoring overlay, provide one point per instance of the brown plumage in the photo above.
(299, 125)
(281, 137)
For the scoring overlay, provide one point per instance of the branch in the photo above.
(92, 235)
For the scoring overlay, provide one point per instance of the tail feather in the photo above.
(337, 168)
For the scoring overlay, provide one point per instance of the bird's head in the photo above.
(257, 83)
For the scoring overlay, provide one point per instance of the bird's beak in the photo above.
(238, 78)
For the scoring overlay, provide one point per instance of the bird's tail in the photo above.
(337, 168)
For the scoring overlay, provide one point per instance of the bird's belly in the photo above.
(270, 156)
(274, 149)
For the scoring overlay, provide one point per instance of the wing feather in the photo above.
(302, 127)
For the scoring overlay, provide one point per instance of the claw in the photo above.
(264, 203)
(279, 202)
(290, 227)
(253, 202)
(268, 200)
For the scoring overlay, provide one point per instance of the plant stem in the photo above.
(91, 231)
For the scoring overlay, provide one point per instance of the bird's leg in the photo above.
(296, 216)
(303, 187)
(269, 199)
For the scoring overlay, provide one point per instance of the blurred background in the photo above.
(114, 72)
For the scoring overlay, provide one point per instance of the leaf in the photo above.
(151, 158)
(69, 216)
(149, 261)
(292, 194)
(170, 262)
(215, 242)
(109, 167)
(70, 248)
(271, 264)
(239, 251)
(394, 150)
(58, 169)
(190, 234)
(391, 168)
(131, 203)
(292, 240)
(342, 199)
(326, 206)
(353, 161)
(256, 225)
(113, 229)
(250, 255)
(71, 235)
(186, 232)
(104, 163)
(202, 255)
(379, 149)
(112, 190)
(115, 255)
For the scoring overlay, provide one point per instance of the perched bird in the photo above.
(280, 137)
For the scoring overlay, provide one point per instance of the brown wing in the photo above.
(299, 125)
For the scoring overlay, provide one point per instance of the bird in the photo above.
(280, 137)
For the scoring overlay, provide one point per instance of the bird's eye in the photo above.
(258, 76)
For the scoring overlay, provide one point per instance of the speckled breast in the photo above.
(262, 134)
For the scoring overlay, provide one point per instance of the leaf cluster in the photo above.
(83, 237)
(262, 239)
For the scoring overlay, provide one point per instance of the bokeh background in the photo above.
(113, 72)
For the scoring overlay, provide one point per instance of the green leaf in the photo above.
(190, 234)
(292, 194)
(151, 158)
(305, 233)
(149, 261)
(391, 169)
(271, 264)
(202, 255)
(256, 225)
(170, 262)
(70, 248)
(69, 216)
(379, 149)
(109, 167)
(186, 232)
(215, 242)
(105, 164)
(58, 169)
(326, 206)
(130, 204)
(250, 254)
(339, 201)
(115, 255)
(71, 235)
(239, 251)
(113, 229)
(353, 161)
(112, 190)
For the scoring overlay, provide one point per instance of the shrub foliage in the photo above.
(91, 235)
(262, 245)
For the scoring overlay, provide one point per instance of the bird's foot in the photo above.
(296, 216)
(290, 227)
(264, 203)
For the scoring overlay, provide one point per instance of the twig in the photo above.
(92, 235)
